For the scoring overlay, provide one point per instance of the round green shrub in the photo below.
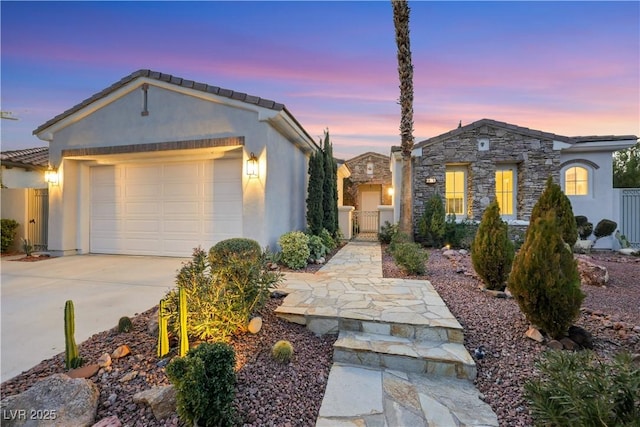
(328, 241)
(125, 324)
(317, 249)
(295, 249)
(411, 257)
(605, 227)
(581, 220)
(387, 231)
(492, 252)
(7, 233)
(219, 254)
(205, 384)
(544, 279)
(282, 351)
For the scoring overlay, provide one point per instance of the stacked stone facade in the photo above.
(480, 148)
(361, 175)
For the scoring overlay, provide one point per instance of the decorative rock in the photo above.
(104, 361)
(162, 400)
(74, 401)
(569, 344)
(278, 294)
(583, 246)
(534, 334)
(591, 274)
(86, 371)
(555, 345)
(463, 252)
(320, 260)
(121, 351)
(111, 421)
(255, 325)
(580, 336)
(128, 377)
(628, 251)
(449, 253)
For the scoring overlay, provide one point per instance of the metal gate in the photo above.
(630, 215)
(366, 225)
(38, 229)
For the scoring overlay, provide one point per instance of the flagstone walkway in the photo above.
(398, 359)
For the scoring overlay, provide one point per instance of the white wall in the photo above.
(177, 116)
(15, 177)
(600, 202)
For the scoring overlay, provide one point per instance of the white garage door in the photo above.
(165, 208)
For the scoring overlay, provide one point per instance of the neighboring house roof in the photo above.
(29, 158)
(178, 81)
(525, 131)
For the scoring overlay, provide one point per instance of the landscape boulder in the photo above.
(57, 400)
(255, 325)
(591, 274)
(162, 400)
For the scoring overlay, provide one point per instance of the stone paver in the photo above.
(398, 359)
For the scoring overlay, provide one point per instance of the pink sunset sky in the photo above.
(571, 68)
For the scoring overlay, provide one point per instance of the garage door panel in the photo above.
(165, 209)
(182, 208)
(142, 208)
(148, 191)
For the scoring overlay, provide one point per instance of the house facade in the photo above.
(157, 165)
(473, 164)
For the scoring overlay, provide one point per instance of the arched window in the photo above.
(576, 181)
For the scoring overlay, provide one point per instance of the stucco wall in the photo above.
(177, 116)
(600, 202)
(535, 159)
(21, 178)
(13, 205)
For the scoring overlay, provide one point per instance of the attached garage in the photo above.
(157, 165)
(164, 209)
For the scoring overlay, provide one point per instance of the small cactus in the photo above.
(72, 358)
(125, 325)
(163, 334)
(282, 351)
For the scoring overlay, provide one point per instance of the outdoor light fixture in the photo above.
(430, 180)
(390, 191)
(51, 176)
(252, 165)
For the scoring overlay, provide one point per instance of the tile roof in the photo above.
(525, 131)
(168, 78)
(30, 157)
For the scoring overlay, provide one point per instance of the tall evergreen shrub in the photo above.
(330, 192)
(492, 251)
(315, 191)
(544, 279)
(554, 198)
(432, 223)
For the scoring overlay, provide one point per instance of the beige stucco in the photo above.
(273, 202)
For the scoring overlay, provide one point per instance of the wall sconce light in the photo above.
(430, 180)
(51, 176)
(390, 191)
(252, 165)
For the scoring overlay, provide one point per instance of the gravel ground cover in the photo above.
(272, 394)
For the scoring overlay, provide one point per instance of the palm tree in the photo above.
(405, 72)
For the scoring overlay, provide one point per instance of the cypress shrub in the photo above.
(315, 193)
(432, 224)
(545, 280)
(491, 251)
(554, 198)
(330, 192)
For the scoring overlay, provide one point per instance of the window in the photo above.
(576, 181)
(455, 190)
(506, 191)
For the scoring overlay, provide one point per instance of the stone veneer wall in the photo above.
(535, 160)
(381, 173)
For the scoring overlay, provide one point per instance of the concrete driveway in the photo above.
(103, 289)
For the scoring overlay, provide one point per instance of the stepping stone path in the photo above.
(399, 359)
